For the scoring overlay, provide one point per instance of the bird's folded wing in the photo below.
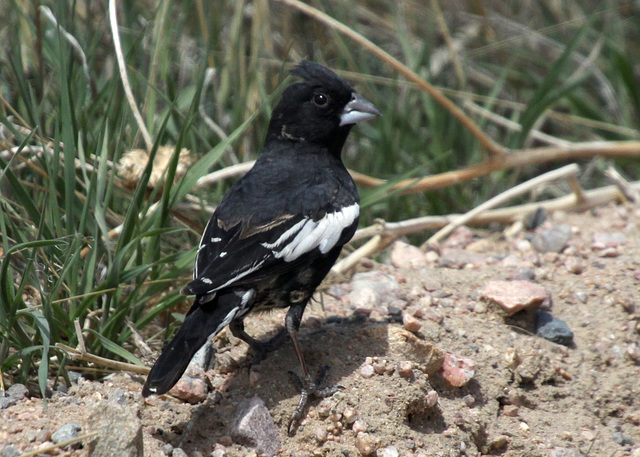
(244, 253)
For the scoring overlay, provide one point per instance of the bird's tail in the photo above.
(201, 322)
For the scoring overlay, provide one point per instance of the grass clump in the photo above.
(79, 243)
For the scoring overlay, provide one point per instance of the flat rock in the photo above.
(553, 239)
(404, 255)
(514, 296)
(253, 427)
(553, 329)
(119, 431)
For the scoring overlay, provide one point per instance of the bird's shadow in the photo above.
(341, 344)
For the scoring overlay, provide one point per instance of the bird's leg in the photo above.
(260, 348)
(307, 385)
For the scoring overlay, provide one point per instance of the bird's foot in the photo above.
(307, 388)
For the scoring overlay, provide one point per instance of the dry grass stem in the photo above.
(49, 449)
(520, 158)
(85, 356)
(622, 184)
(225, 173)
(564, 172)
(122, 66)
(514, 126)
(484, 140)
(571, 202)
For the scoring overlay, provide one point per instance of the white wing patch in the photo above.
(307, 234)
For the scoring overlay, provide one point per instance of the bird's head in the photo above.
(321, 109)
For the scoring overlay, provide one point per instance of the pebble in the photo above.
(320, 435)
(582, 296)
(219, 451)
(461, 258)
(178, 452)
(371, 288)
(574, 265)
(253, 427)
(350, 415)
(367, 371)
(389, 451)
(602, 240)
(499, 442)
(608, 252)
(564, 452)
(553, 329)
(633, 351)
(324, 408)
(66, 432)
(432, 399)
(514, 296)
(17, 392)
(191, 390)
(366, 444)
(404, 255)
(469, 400)
(359, 426)
(109, 416)
(6, 402)
(621, 439)
(457, 370)
(553, 239)
(510, 410)
(167, 449)
(10, 451)
(405, 368)
(410, 323)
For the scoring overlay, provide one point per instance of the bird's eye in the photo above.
(321, 100)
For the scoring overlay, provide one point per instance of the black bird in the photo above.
(279, 229)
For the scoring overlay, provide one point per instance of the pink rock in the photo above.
(457, 370)
(404, 255)
(191, 390)
(367, 371)
(513, 296)
(603, 240)
(410, 323)
(460, 238)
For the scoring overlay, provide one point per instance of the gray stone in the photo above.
(565, 452)
(553, 329)
(6, 402)
(552, 240)
(621, 439)
(10, 451)
(66, 432)
(253, 427)
(178, 452)
(119, 431)
(17, 391)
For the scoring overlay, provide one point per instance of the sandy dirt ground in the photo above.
(384, 341)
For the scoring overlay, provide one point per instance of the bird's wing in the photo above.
(240, 252)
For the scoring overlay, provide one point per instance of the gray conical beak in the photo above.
(357, 110)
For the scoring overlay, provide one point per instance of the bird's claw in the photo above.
(307, 388)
